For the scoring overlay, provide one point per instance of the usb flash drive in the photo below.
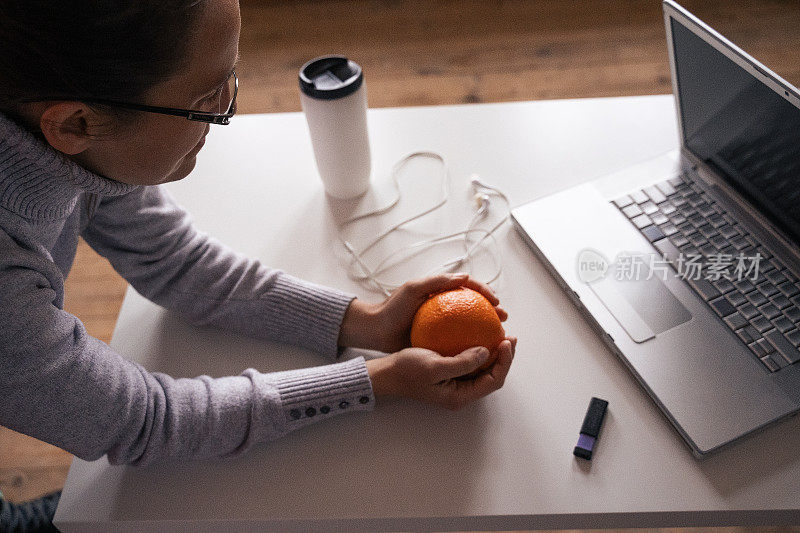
(590, 429)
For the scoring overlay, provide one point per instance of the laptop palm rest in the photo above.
(643, 307)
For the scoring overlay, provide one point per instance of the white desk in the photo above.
(504, 462)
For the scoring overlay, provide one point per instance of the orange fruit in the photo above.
(452, 321)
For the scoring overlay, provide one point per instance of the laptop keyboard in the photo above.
(683, 221)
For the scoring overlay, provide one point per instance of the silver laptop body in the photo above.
(690, 267)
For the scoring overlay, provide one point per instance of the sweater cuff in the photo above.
(318, 393)
(314, 313)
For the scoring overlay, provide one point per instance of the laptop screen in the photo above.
(744, 130)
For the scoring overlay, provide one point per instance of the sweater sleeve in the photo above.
(64, 387)
(151, 242)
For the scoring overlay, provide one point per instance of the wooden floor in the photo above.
(428, 53)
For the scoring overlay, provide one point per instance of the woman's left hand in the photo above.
(387, 326)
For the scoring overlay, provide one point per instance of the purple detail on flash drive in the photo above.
(586, 442)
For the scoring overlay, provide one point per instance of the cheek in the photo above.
(169, 150)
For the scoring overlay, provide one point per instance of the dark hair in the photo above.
(116, 49)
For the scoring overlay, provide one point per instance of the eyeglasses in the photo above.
(191, 114)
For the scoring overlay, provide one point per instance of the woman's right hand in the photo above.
(429, 377)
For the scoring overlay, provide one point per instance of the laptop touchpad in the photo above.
(643, 307)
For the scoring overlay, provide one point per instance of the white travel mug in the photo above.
(334, 100)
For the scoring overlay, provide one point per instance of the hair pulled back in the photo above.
(73, 49)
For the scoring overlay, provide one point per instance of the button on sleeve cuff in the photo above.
(318, 393)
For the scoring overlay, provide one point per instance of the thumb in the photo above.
(467, 361)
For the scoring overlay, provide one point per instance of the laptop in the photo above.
(688, 264)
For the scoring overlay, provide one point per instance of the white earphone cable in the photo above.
(371, 274)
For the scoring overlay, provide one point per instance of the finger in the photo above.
(501, 313)
(485, 383)
(482, 288)
(495, 375)
(425, 287)
(467, 361)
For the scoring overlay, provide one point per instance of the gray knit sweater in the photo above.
(62, 386)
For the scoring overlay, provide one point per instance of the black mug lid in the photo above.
(330, 77)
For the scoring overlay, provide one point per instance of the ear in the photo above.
(66, 126)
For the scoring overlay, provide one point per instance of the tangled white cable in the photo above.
(482, 199)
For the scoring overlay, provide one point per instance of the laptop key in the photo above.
(777, 264)
(763, 267)
(744, 334)
(780, 301)
(659, 218)
(793, 314)
(761, 324)
(667, 207)
(623, 201)
(765, 346)
(708, 249)
(679, 241)
(790, 276)
(677, 218)
(686, 228)
(641, 221)
(655, 194)
(677, 181)
(739, 242)
(744, 285)
(697, 220)
(697, 239)
(669, 229)
(718, 208)
(717, 221)
(769, 311)
(737, 299)
(706, 210)
(748, 310)
(728, 231)
(667, 250)
(775, 276)
(719, 241)
(788, 289)
(783, 324)
(649, 208)
(639, 197)
(654, 233)
(694, 199)
(735, 321)
(751, 331)
(723, 285)
(756, 298)
(767, 288)
(690, 251)
(756, 349)
(764, 253)
(666, 188)
(724, 308)
(632, 210)
(770, 363)
(793, 336)
(704, 288)
(678, 201)
(707, 230)
(782, 345)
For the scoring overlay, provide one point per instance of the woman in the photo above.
(82, 155)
